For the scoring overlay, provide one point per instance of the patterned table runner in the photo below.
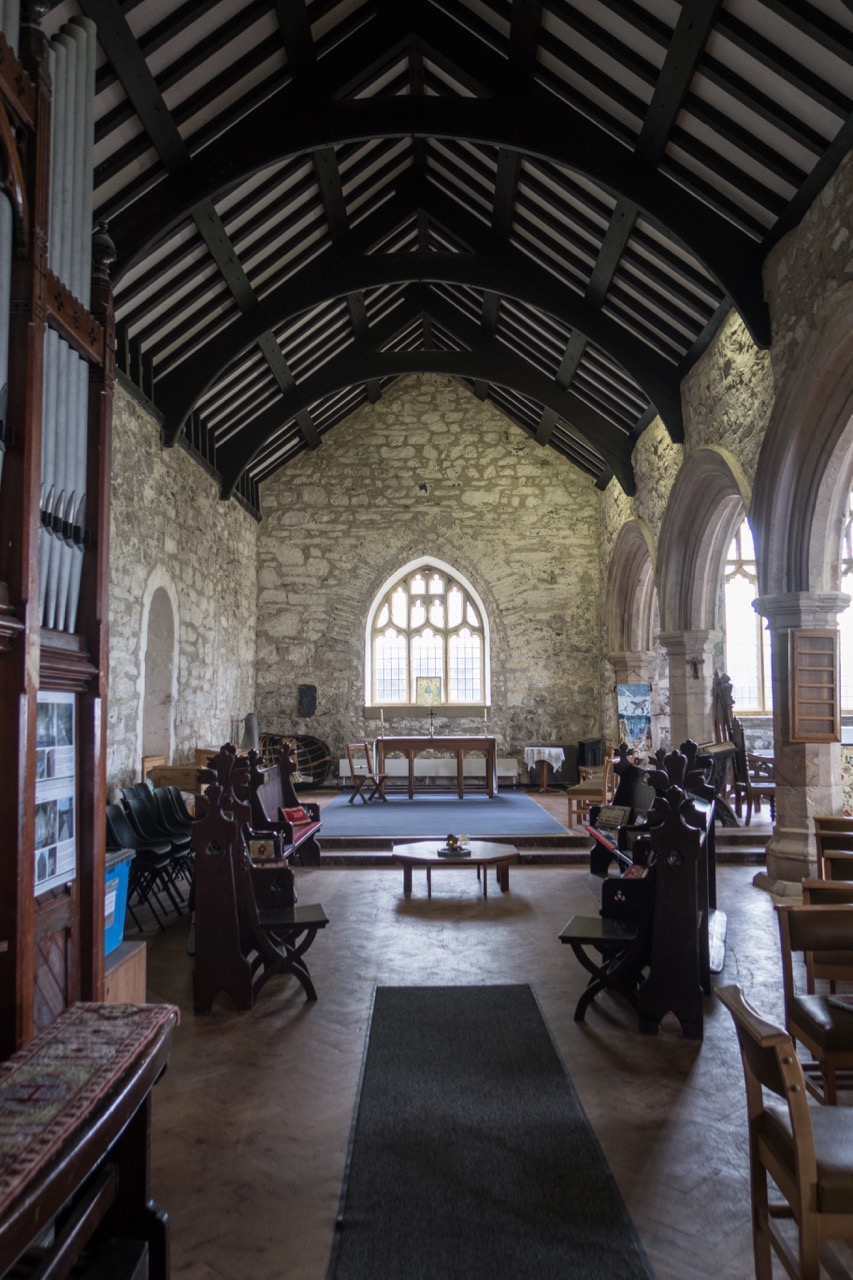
(50, 1086)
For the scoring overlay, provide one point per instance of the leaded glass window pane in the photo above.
(845, 620)
(747, 639)
(465, 666)
(389, 665)
(400, 608)
(427, 657)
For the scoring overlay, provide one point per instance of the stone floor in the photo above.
(251, 1121)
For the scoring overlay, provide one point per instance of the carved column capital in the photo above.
(801, 609)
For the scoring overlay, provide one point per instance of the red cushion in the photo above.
(294, 816)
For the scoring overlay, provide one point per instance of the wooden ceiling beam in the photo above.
(551, 131)
(341, 272)
(347, 268)
(365, 360)
(292, 17)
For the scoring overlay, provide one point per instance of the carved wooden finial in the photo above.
(103, 254)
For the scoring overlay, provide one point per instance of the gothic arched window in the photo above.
(845, 621)
(747, 638)
(427, 640)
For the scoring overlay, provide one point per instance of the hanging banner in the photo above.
(634, 705)
(56, 792)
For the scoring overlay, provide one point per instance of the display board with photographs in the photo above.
(634, 704)
(56, 790)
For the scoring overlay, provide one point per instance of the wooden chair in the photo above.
(834, 846)
(363, 774)
(753, 777)
(833, 966)
(595, 788)
(813, 1020)
(807, 1151)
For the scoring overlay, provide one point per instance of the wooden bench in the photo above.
(248, 924)
(272, 790)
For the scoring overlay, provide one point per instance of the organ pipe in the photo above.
(10, 21)
(9, 24)
(66, 374)
(5, 291)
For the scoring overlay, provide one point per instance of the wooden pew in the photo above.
(248, 925)
(672, 938)
(271, 791)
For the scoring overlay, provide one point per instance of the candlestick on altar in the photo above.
(431, 723)
(485, 721)
(382, 722)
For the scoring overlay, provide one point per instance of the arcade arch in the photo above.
(708, 502)
(802, 489)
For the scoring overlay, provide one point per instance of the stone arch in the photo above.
(708, 501)
(158, 666)
(630, 594)
(805, 466)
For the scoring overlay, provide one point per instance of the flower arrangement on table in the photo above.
(456, 846)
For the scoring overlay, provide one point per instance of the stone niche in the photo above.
(431, 471)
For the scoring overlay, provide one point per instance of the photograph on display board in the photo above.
(56, 789)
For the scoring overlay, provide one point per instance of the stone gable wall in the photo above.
(170, 528)
(430, 470)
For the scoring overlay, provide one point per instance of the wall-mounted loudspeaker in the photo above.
(307, 702)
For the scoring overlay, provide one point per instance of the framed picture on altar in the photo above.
(428, 691)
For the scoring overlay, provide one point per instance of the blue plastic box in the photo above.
(115, 897)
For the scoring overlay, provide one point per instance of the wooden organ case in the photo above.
(56, 383)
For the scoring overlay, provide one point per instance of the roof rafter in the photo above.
(364, 360)
(559, 135)
(347, 268)
(116, 38)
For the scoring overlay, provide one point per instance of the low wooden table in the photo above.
(484, 853)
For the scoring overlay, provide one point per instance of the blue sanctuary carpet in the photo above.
(507, 814)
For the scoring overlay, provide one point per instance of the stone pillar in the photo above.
(691, 683)
(633, 667)
(808, 774)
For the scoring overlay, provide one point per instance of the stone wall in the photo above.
(430, 470)
(170, 529)
(809, 265)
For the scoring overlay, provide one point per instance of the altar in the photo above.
(457, 745)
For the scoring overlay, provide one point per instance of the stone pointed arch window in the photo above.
(845, 620)
(427, 640)
(747, 638)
